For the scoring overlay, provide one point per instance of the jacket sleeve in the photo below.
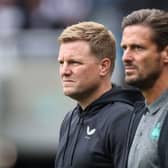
(163, 144)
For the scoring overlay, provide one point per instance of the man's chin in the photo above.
(142, 85)
(133, 82)
(67, 92)
(130, 81)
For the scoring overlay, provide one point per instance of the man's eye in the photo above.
(61, 62)
(124, 48)
(138, 48)
(75, 62)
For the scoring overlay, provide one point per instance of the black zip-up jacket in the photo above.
(95, 137)
(163, 144)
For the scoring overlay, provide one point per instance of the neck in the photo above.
(156, 90)
(86, 101)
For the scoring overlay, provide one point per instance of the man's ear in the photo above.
(105, 66)
(165, 55)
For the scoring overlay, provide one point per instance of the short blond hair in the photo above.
(101, 40)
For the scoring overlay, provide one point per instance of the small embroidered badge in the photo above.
(155, 132)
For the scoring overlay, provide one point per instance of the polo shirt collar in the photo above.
(158, 103)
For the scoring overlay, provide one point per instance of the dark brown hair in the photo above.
(156, 19)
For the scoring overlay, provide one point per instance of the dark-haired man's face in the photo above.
(141, 57)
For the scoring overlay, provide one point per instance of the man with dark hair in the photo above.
(145, 57)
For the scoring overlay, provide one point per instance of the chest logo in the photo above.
(90, 131)
(155, 132)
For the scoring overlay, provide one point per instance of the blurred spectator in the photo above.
(130, 5)
(55, 13)
(10, 17)
(11, 20)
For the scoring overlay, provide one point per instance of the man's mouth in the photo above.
(129, 69)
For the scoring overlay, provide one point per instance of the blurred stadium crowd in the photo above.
(53, 14)
(31, 101)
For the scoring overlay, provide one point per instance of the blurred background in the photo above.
(32, 104)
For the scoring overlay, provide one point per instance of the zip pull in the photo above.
(79, 120)
(82, 121)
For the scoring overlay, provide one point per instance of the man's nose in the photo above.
(65, 69)
(127, 55)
